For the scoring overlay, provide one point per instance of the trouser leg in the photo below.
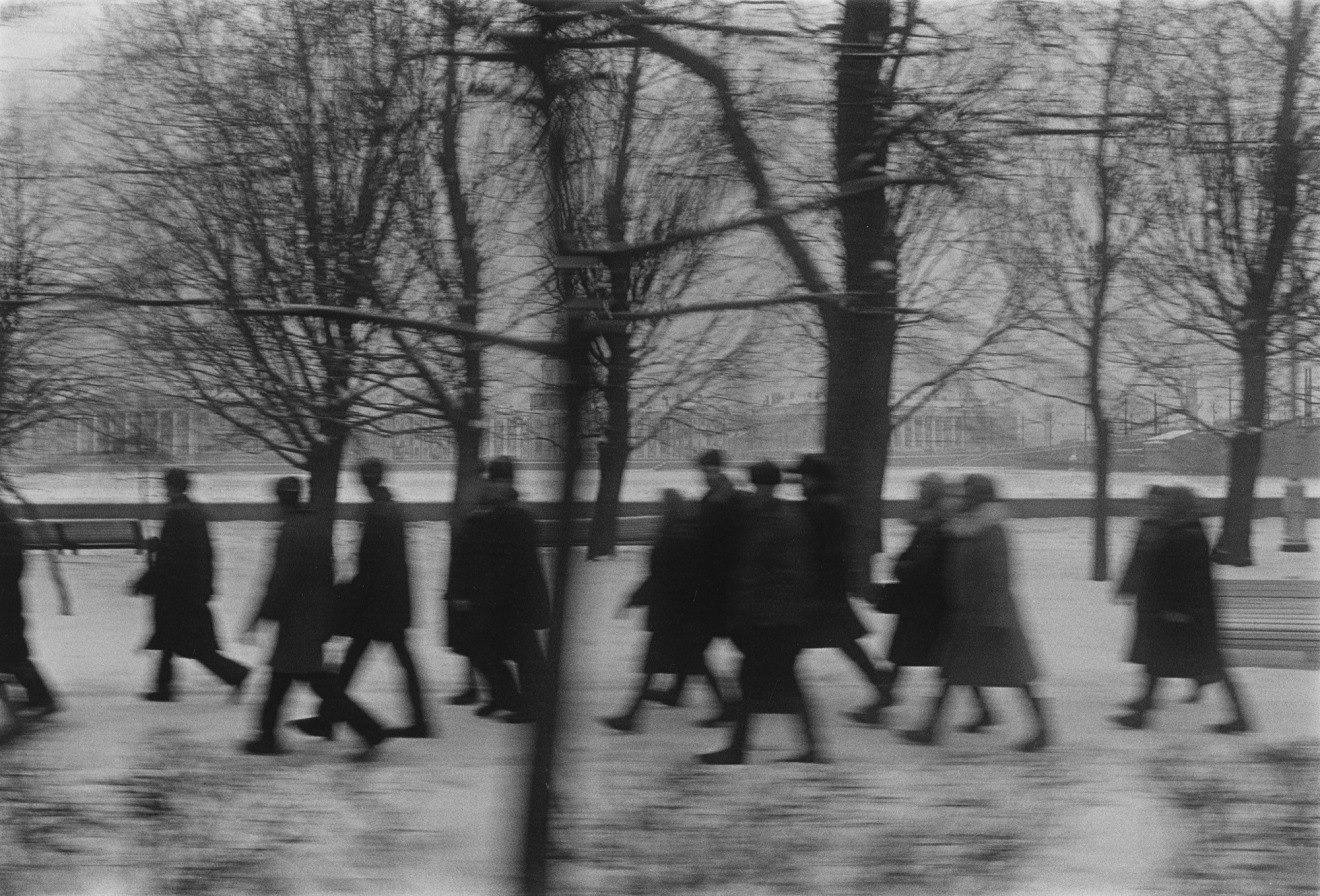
(357, 648)
(276, 691)
(807, 713)
(231, 672)
(326, 686)
(165, 674)
(412, 681)
(38, 694)
(1235, 699)
(855, 652)
(491, 666)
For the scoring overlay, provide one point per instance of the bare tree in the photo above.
(256, 155)
(1238, 96)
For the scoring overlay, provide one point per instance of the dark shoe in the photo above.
(622, 723)
(1141, 704)
(727, 756)
(314, 726)
(157, 697)
(664, 698)
(41, 711)
(368, 752)
(1134, 720)
(486, 710)
(465, 698)
(1236, 726)
(1194, 696)
(262, 747)
(1036, 743)
(867, 715)
(923, 736)
(422, 731)
(519, 717)
(236, 689)
(984, 720)
(727, 716)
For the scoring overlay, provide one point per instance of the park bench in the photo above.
(83, 535)
(632, 530)
(1270, 623)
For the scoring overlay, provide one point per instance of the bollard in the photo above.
(1294, 518)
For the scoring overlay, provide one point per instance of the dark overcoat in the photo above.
(13, 638)
(719, 515)
(1180, 638)
(985, 644)
(380, 598)
(497, 590)
(771, 602)
(297, 594)
(918, 595)
(670, 589)
(1134, 583)
(184, 582)
(832, 622)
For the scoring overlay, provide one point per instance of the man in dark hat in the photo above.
(297, 600)
(769, 605)
(182, 582)
(498, 598)
(833, 621)
(379, 601)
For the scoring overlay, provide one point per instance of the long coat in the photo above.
(718, 519)
(918, 594)
(1135, 583)
(297, 594)
(184, 576)
(1180, 637)
(497, 590)
(985, 643)
(832, 622)
(13, 639)
(670, 594)
(380, 602)
(771, 602)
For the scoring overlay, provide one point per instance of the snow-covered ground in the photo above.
(129, 485)
(119, 796)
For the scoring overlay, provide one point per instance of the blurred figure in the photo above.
(498, 599)
(771, 601)
(668, 595)
(918, 593)
(15, 654)
(718, 518)
(297, 600)
(984, 644)
(181, 579)
(380, 601)
(833, 621)
(1177, 628)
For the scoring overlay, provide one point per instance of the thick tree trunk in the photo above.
(605, 513)
(467, 470)
(1233, 548)
(1100, 500)
(324, 461)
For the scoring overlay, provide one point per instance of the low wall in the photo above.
(1026, 508)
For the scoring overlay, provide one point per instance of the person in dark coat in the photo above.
(718, 515)
(1178, 637)
(918, 593)
(668, 595)
(833, 621)
(770, 604)
(15, 653)
(984, 644)
(498, 599)
(182, 582)
(297, 600)
(1132, 588)
(379, 601)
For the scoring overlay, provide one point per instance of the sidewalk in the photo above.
(119, 796)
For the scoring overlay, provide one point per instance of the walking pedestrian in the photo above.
(771, 601)
(297, 600)
(984, 644)
(181, 582)
(668, 594)
(379, 602)
(834, 623)
(1176, 633)
(918, 594)
(15, 653)
(498, 600)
